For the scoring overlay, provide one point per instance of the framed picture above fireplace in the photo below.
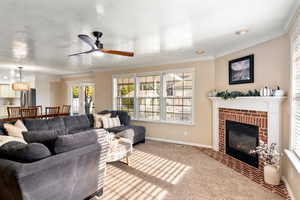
(241, 70)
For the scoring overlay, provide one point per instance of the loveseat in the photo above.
(139, 131)
(64, 159)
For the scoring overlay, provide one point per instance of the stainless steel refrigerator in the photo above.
(28, 98)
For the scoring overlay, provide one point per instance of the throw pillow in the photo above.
(13, 130)
(111, 122)
(98, 119)
(25, 153)
(5, 139)
(20, 125)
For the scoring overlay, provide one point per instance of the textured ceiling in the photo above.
(39, 34)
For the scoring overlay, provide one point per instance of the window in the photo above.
(149, 97)
(296, 95)
(125, 88)
(160, 96)
(178, 98)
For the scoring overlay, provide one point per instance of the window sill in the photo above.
(166, 122)
(294, 159)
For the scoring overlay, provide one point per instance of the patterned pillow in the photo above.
(98, 119)
(20, 125)
(111, 122)
(13, 130)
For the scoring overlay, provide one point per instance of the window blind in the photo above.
(296, 95)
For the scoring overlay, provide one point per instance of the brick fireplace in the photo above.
(263, 115)
(264, 112)
(247, 117)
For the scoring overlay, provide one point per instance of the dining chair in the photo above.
(39, 109)
(66, 109)
(14, 112)
(52, 111)
(31, 112)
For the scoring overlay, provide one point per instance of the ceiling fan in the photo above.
(98, 46)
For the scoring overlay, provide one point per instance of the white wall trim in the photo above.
(288, 187)
(178, 142)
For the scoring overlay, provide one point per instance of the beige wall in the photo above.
(271, 66)
(200, 132)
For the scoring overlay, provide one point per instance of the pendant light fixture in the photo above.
(20, 86)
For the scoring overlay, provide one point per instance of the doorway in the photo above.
(82, 98)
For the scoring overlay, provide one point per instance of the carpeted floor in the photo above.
(170, 172)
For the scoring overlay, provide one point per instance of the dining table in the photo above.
(41, 116)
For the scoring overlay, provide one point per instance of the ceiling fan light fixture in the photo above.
(242, 32)
(200, 52)
(98, 53)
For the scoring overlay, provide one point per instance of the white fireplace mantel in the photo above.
(271, 105)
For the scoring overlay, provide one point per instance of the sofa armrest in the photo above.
(103, 142)
(19, 170)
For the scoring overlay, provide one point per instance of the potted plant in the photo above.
(271, 157)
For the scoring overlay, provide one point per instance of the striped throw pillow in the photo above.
(111, 122)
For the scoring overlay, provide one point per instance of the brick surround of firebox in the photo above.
(256, 118)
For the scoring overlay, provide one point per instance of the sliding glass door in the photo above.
(82, 98)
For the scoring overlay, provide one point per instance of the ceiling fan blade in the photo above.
(87, 40)
(81, 53)
(120, 53)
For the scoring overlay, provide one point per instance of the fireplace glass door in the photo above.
(240, 140)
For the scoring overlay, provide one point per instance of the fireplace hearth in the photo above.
(240, 140)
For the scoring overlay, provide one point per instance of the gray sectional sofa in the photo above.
(63, 160)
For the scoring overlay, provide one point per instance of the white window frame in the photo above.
(162, 91)
(80, 84)
(291, 154)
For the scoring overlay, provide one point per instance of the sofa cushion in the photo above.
(56, 123)
(41, 136)
(66, 143)
(116, 129)
(76, 122)
(79, 130)
(25, 153)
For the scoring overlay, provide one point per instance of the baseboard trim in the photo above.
(288, 187)
(178, 142)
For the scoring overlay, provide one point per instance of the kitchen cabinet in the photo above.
(6, 91)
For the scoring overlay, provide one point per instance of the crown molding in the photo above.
(252, 44)
(293, 16)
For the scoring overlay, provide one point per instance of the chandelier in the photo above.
(20, 85)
